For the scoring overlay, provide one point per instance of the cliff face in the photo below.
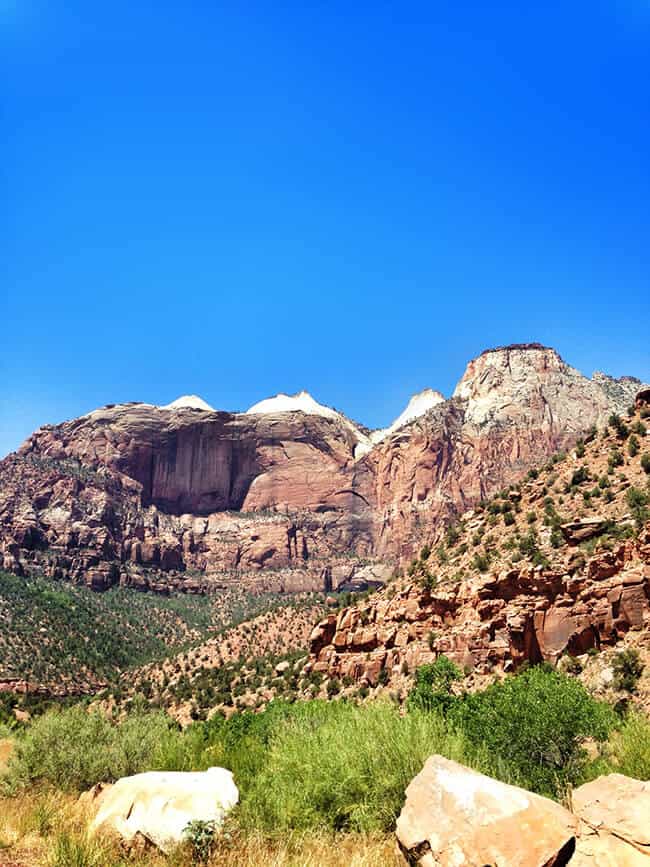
(291, 500)
(512, 408)
(559, 563)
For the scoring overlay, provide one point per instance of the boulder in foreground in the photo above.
(456, 816)
(615, 815)
(159, 805)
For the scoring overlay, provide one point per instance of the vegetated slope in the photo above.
(245, 666)
(290, 497)
(557, 564)
(64, 639)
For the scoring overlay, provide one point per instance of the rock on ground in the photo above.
(158, 805)
(455, 816)
(615, 815)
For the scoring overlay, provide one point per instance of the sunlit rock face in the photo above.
(289, 495)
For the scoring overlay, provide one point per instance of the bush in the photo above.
(628, 668)
(638, 501)
(346, 767)
(645, 462)
(432, 689)
(72, 749)
(535, 723)
(580, 476)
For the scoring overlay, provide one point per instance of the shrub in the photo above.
(535, 723)
(628, 668)
(615, 459)
(72, 749)
(345, 767)
(580, 476)
(645, 462)
(452, 535)
(638, 501)
(633, 447)
(619, 426)
(432, 689)
(201, 838)
(481, 562)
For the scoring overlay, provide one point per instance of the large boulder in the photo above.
(455, 816)
(159, 805)
(615, 812)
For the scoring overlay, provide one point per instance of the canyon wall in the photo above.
(189, 498)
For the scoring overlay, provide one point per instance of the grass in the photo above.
(320, 782)
(347, 767)
(64, 842)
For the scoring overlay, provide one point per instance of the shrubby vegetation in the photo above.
(73, 749)
(344, 766)
(53, 631)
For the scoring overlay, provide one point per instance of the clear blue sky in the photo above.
(354, 198)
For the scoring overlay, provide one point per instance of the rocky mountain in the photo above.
(290, 495)
(556, 565)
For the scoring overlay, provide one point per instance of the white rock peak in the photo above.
(300, 402)
(417, 406)
(189, 401)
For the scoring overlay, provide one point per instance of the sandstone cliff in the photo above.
(558, 564)
(288, 496)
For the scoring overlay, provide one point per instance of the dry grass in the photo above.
(34, 826)
(6, 749)
(310, 850)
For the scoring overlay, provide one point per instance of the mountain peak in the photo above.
(302, 401)
(189, 401)
(419, 404)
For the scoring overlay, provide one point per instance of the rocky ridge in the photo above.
(282, 497)
(558, 564)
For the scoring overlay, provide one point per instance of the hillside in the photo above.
(558, 564)
(244, 666)
(59, 639)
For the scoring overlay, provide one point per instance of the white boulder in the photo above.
(159, 805)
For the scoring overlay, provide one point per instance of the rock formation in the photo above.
(454, 815)
(510, 581)
(291, 495)
(157, 806)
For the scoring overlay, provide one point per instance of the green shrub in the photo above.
(645, 462)
(432, 688)
(535, 723)
(619, 426)
(72, 749)
(638, 502)
(615, 459)
(200, 836)
(580, 476)
(628, 668)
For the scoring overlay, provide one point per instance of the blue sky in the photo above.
(353, 198)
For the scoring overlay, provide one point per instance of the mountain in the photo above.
(556, 564)
(291, 495)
